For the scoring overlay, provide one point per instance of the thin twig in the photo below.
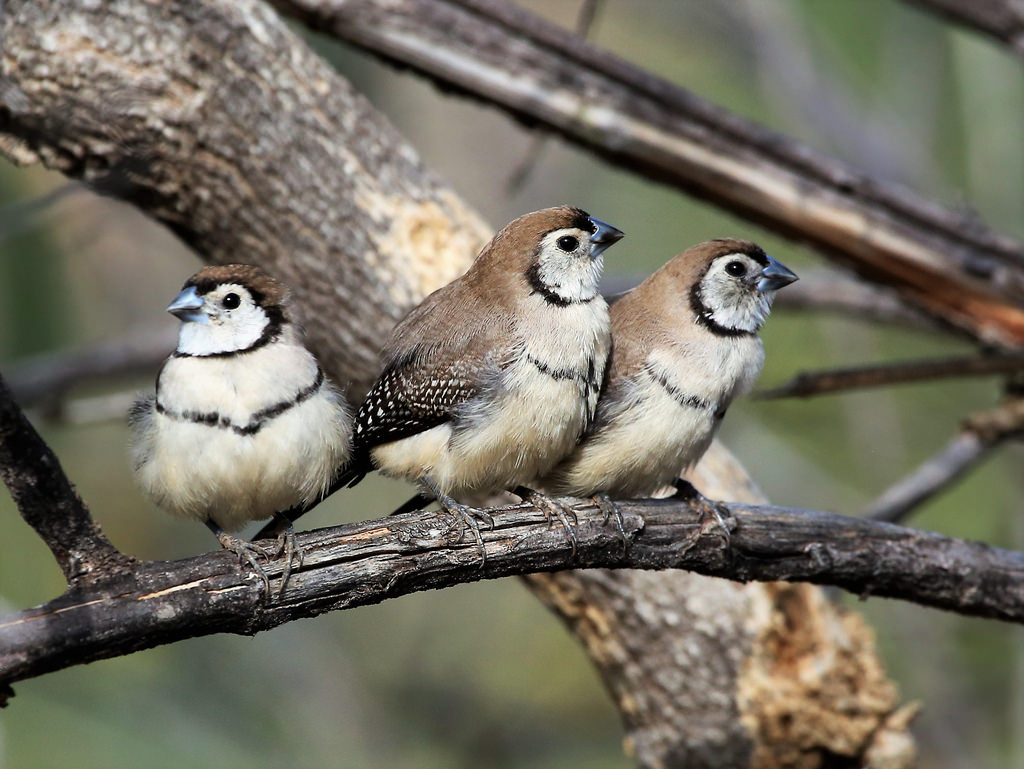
(584, 22)
(47, 378)
(812, 383)
(833, 292)
(1001, 20)
(980, 436)
(47, 500)
(961, 454)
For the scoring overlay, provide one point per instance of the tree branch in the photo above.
(948, 264)
(364, 563)
(832, 292)
(229, 130)
(45, 379)
(1001, 20)
(48, 502)
(811, 383)
(214, 118)
(981, 434)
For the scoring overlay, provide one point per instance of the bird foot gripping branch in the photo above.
(712, 515)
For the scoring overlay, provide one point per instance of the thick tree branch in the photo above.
(1002, 20)
(945, 263)
(368, 562)
(47, 500)
(811, 383)
(227, 128)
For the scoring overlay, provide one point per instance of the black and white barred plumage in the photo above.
(243, 422)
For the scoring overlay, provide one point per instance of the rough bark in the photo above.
(48, 502)
(216, 120)
(949, 264)
(1002, 20)
(213, 118)
(708, 673)
(370, 561)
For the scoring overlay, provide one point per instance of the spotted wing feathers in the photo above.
(411, 397)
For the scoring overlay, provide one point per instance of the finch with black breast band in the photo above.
(244, 423)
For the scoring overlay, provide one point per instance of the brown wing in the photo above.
(446, 352)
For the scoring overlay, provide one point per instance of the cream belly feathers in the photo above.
(493, 378)
(243, 423)
(685, 345)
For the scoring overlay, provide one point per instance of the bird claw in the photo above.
(611, 510)
(710, 514)
(468, 516)
(465, 513)
(552, 509)
(247, 553)
(292, 553)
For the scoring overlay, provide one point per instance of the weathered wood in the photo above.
(212, 117)
(48, 502)
(367, 562)
(947, 263)
(262, 154)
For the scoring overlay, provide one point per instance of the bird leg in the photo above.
(247, 552)
(286, 545)
(709, 512)
(282, 521)
(465, 513)
(611, 510)
(551, 509)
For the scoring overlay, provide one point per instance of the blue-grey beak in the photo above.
(604, 236)
(775, 276)
(186, 306)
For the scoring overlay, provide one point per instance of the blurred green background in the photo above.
(481, 674)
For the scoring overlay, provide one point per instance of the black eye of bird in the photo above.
(568, 243)
(736, 269)
(231, 301)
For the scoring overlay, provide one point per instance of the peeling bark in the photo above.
(699, 667)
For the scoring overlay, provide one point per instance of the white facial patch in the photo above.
(729, 293)
(565, 267)
(230, 326)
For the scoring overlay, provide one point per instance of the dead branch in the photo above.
(214, 118)
(168, 126)
(811, 383)
(371, 561)
(46, 378)
(829, 291)
(981, 434)
(946, 263)
(47, 500)
(1001, 20)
